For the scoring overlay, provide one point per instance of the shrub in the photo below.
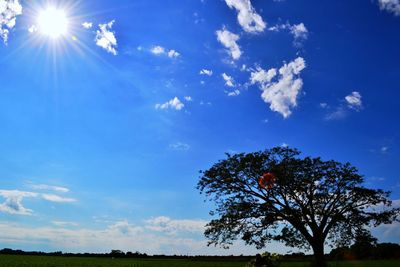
(265, 260)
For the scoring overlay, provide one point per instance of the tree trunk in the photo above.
(319, 256)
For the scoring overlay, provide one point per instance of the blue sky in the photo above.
(105, 127)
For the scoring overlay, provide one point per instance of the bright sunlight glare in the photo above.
(53, 22)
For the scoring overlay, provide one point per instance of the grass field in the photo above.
(40, 261)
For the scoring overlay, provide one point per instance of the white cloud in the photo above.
(87, 25)
(64, 224)
(229, 40)
(157, 50)
(106, 39)
(323, 105)
(172, 53)
(338, 114)
(174, 103)
(56, 198)
(281, 94)
(203, 103)
(9, 10)
(33, 29)
(170, 226)
(384, 149)
(298, 31)
(124, 227)
(179, 146)
(262, 76)
(50, 187)
(391, 6)
(228, 80)
(14, 198)
(247, 17)
(188, 98)
(13, 202)
(234, 93)
(160, 235)
(354, 100)
(206, 72)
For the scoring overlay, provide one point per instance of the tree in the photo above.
(364, 245)
(308, 203)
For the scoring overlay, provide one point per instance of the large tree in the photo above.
(278, 195)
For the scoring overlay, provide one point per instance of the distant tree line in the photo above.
(112, 254)
(382, 251)
(365, 248)
(121, 254)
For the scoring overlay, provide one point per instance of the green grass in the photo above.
(40, 261)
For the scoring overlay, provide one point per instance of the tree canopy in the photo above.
(304, 202)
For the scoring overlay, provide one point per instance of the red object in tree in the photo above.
(267, 180)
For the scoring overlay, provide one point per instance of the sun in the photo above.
(52, 22)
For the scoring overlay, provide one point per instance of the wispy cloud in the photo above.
(204, 103)
(65, 224)
(298, 31)
(354, 101)
(13, 201)
(171, 226)
(179, 146)
(159, 50)
(247, 16)
(206, 72)
(87, 25)
(281, 94)
(172, 53)
(32, 29)
(229, 40)
(174, 103)
(158, 235)
(9, 10)
(323, 105)
(229, 81)
(391, 6)
(49, 187)
(56, 198)
(339, 113)
(105, 38)
(300, 34)
(233, 93)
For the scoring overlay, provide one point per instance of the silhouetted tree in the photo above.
(117, 253)
(277, 195)
(364, 245)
